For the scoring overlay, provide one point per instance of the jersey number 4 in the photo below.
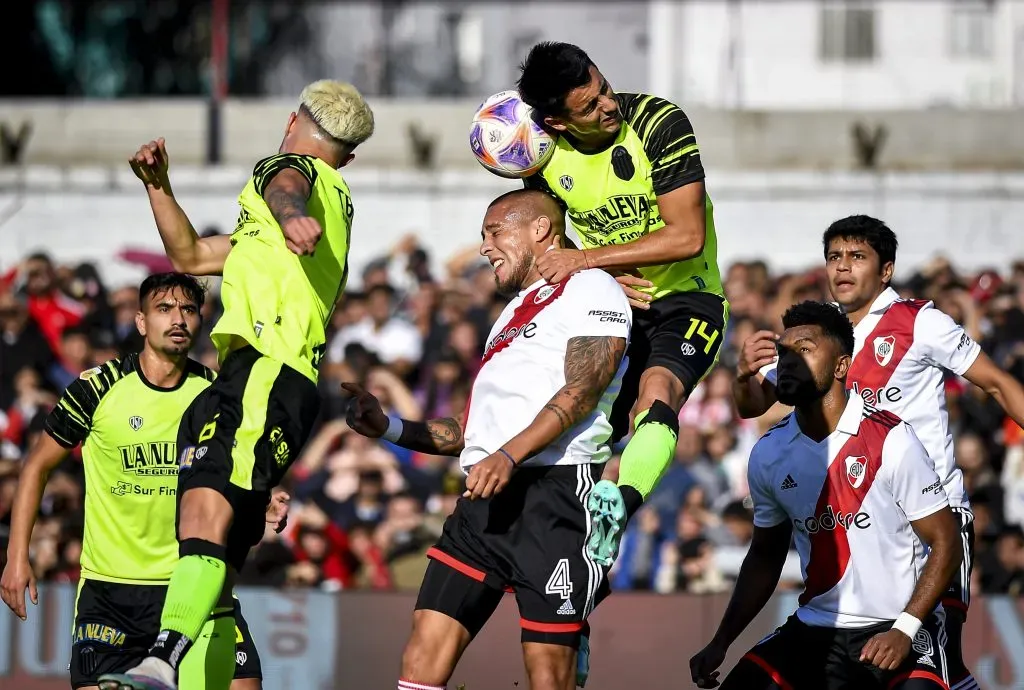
(560, 582)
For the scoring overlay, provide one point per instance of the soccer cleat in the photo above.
(151, 674)
(608, 520)
(583, 662)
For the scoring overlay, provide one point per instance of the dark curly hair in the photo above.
(828, 317)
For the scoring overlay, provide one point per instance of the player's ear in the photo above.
(552, 122)
(843, 366)
(888, 268)
(542, 229)
(140, 323)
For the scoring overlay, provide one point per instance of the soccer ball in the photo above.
(506, 140)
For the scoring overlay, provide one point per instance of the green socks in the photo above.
(647, 455)
(191, 595)
(210, 664)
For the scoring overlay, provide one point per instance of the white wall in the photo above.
(974, 219)
(766, 55)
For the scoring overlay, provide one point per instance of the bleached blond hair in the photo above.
(339, 109)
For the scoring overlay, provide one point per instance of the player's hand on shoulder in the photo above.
(364, 415)
(489, 476)
(631, 284)
(301, 233)
(16, 577)
(150, 163)
(557, 264)
(886, 650)
(705, 663)
(758, 350)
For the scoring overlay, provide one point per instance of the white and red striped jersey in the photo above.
(523, 367)
(851, 499)
(901, 351)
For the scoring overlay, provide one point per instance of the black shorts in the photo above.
(116, 624)
(529, 540)
(247, 659)
(240, 436)
(681, 332)
(958, 598)
(802, 657)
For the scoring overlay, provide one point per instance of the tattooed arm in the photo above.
(590, 366)
(285, 182)
(434, 436)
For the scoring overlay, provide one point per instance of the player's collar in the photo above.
(884, 300)
(533, 286)
(849, 421)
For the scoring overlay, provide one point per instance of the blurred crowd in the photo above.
(364, 512)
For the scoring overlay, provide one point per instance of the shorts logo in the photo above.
(241, 658)
(884, 347)
(566, 182)
(88, 660)
(922, 644)
(545, 292)
(566, 609)
(855, 466)
(135, 422)
(688, 349)
(201, 452)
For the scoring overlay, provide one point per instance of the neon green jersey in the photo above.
(611, 196)
(274, 300)
(128, 429)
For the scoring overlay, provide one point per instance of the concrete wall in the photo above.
(103, 132)
(94, 213)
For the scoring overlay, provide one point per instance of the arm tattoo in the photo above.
(434, 436)
(590, 366)
(286, 195)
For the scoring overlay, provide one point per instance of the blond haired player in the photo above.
(284, 268)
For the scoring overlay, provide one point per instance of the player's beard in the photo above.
(799, 388)
(516, 277)
(169, 347)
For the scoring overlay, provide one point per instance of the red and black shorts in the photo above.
(798, 656)
(528, 540)
(958, 598)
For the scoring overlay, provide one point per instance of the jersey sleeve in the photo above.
(670, 144)
(267, 168)
(916, 486)
(768, 512)
(945, 342)
(70, 421)
(599, 306)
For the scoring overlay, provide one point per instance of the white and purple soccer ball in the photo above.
(506, 140)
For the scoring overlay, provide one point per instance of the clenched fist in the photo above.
(150, 164)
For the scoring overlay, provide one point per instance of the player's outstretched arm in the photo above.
(1001, 385)
(434, 436)
(590, 366)
(18, 575)
(188, 252)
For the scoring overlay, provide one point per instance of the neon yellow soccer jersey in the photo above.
(128, 429)
(611, 195)
(274, 300)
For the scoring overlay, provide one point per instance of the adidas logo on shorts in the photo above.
(566, 609)
(788, 483)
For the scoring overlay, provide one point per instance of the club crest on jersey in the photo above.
(855, 466)
(135, 422)
(545, 292)
(566, 182)
(884, 347)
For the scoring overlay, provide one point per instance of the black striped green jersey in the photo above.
(128, 430)
(611, 196)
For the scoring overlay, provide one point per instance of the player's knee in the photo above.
(660, 384)
(204, 514)
(550, 666)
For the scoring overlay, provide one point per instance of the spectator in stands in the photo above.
(394, 340)
(22, 344)
(49, 307)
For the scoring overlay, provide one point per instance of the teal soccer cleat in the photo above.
(608, 520)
